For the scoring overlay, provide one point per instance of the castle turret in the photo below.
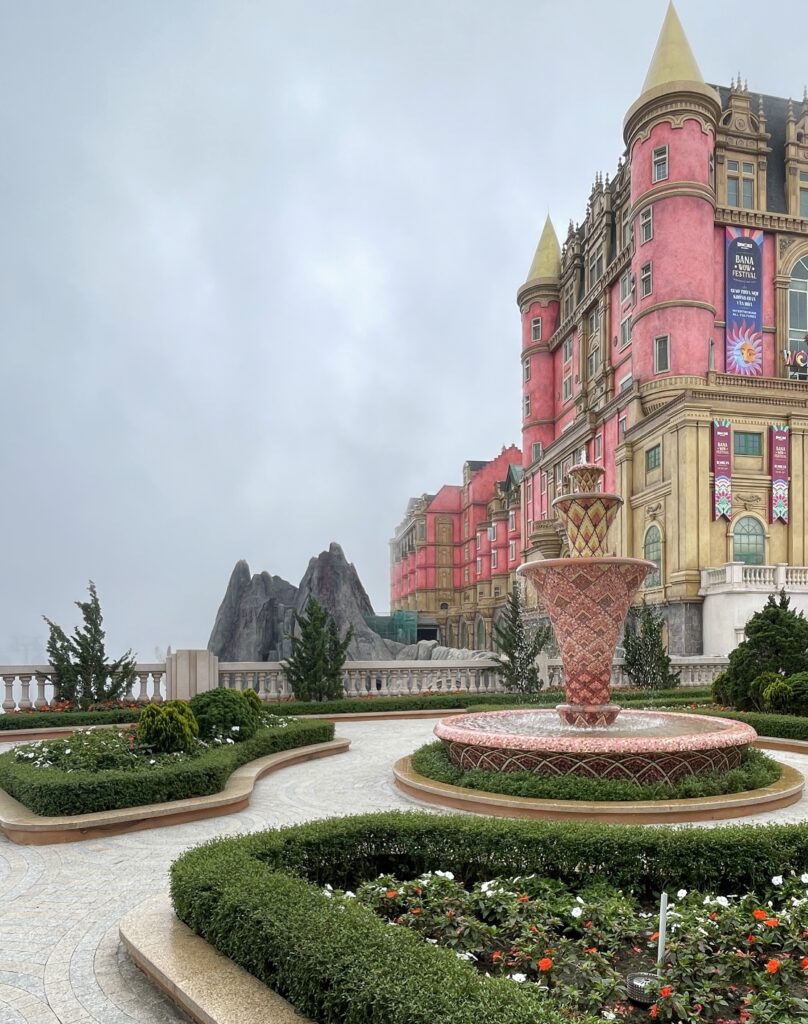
(670, 134)
(539, 300)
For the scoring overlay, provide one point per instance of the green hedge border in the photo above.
(50, 792)
(258, 899)
(66, 719)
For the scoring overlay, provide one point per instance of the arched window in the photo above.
(480, 635)
(464, 640)
(652, 550)
(748, 541)
(798, 319)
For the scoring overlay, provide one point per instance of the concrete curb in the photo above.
(207, 986)
(23, 826)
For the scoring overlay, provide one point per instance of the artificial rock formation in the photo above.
(256, 616)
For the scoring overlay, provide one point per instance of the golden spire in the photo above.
(673, 60)
(547, 261)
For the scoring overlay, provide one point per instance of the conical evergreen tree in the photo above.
(314, 668)
(646, 660)
(518, 646)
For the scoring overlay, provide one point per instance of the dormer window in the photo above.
(741, 184)
(660, 164)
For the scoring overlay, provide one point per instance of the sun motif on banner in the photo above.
(744, 350)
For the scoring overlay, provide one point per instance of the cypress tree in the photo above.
(314, 668)
(518, 647)
(647, 662)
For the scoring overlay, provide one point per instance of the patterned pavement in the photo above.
(61, 961)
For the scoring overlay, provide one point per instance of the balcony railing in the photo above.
(736, 576)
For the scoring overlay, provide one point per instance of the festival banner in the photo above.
(744, 301)
(779, 469)
(722, 469)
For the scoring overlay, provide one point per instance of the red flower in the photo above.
(714, 916)
(804, 963)
(545, 964)
(759, 915)
(591, 949)
(588, 924)
(450, 913)
(654, 1011)
(391, 894)
(523, 899)
(771, 922)
(665, 991)
(415, 910)
(773, 966)
(496, 955)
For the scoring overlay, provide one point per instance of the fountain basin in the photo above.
(642, 746)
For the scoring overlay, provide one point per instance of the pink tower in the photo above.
(539, 302)
(670, 134)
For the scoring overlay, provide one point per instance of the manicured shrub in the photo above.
(778, 697)
(758, 687)
(52, 791)
(720, 688)
(799, 693)
(66, 719)
(253, 700)
(225, 715)
(756, 771)
(168, 728)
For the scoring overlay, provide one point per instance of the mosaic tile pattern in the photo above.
(586, 518)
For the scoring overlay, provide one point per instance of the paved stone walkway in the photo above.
(60, 958)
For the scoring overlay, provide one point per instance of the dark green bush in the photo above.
(758, 687)
(720, 688)
(66, 719)
(258, 900)
(225, 714)
(168, 728)
(756, 771)
(50, 792)
(253, 700)
(785, 727)
(799, 693)
(778, 697)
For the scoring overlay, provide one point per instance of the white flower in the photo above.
(706, 901)
(445, 874)
(235, 728)
(152, 761)
(349, 895)
(681, 894)
(804, 878)
(576, 912)
(609, 1015)
(466, 956)
(488, 886)
(579, 900)
(518, 976)
(722, 901)
(68, 751)
(777, 880)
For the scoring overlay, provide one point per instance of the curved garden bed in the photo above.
(266, 901)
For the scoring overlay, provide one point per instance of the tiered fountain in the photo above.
(587, 597)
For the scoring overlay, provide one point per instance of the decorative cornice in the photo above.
(675, 102)
(766, 220)
(670, 304)
(670, 189)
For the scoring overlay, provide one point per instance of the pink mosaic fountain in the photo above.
(587, 597)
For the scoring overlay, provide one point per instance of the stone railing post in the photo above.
(191, 672)
(9, 704)
(25, 697)
(40, 701)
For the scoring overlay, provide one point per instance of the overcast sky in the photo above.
(258, 264)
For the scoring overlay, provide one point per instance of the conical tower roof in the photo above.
(546, 263)
(673, 60)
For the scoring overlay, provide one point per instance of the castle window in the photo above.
(741, 184)
(492, 532)
(497, 591)
(494, 559)
(535, 329)
(625, 332)
(567, 388)
(567, 350)
(480, 635)
(803, 193)
(598, 447)
(465, 574)
(653, 458)
(798, 321)
(529, 491)
(527, 406)
(646, 225)
(662, 354)
(526, 369)
(748, 541)
(660, 164)
(711, 171)
(593, 323)
(625, 383)
(593, 361)
(511, 521)
(535, 450)
(595, 267)
(652, 551)
(512, 551)
(625, 286)
(621, 427)
(646, 280)
(747, 442)
(479, 566)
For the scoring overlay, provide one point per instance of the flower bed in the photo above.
(104, 771)
(755, 772)
(262, 900)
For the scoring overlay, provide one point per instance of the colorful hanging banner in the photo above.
(780, 470)
(744, 301)
(722, 469)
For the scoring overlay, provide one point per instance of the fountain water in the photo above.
(587, 597)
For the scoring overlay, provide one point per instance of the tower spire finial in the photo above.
(673, 60)
(547, 259)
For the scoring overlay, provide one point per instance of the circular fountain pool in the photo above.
(641, 746)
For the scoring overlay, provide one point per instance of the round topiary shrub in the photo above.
(758, 687)
(225, 715)
(168, 729)
(779, 696)
(254, 700)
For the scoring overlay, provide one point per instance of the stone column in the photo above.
(191, 672)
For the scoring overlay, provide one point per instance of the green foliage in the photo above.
(66, 719)
(55, 791)
(95, 751)
(776, 641)
(254, 700)
(225, 715)
(785, 727)
(82, 673)
(799, 693)
(756, 771)
(258, 899)
(758, 687)
(720, 688)
(169, 728)
(314, 668)
(646, 661)
(518, 647)
(778, 697)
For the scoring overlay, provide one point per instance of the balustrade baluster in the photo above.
(40, 701)
(262, 685)
(25, 697)
(9, 704)
(157, 686)
(143, 696)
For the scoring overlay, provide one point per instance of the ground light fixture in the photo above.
(642, 987)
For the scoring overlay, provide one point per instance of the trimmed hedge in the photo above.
(52, 792)
(258, 899)
(66, 719)
(784, 727)
(756, 771)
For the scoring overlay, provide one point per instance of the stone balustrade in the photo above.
(31, 686)
(737, 576)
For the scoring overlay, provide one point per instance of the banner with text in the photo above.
(722, 469)
(744, 301)
(779, 467)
